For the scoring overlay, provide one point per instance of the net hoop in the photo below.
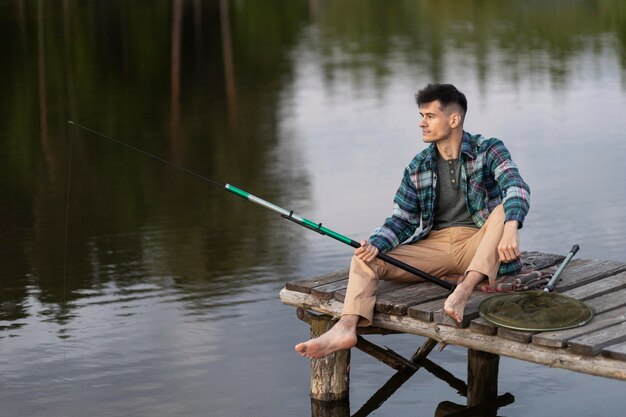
(566, 312)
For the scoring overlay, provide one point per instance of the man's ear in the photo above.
(455, 120)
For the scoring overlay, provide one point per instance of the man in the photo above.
(470, 200)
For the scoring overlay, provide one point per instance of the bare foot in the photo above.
(341, 336)
(455, 303)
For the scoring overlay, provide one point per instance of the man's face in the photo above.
(435, 124)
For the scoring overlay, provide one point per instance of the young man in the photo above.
(470, 200)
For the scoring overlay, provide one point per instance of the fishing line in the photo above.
(287, 214)
(141, 151)
(67, 217)
(67, 211)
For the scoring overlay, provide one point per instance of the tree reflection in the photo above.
(214, 75)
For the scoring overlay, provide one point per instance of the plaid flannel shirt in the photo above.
(488, 177)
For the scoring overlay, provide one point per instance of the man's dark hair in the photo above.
(447, 94)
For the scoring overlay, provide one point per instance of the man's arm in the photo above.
(508, 248)
(516, 199)
(515, 191)
(405, 219)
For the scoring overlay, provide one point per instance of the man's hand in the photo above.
(508, 248)
(367, 252)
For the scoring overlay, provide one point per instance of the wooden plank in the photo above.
(305, 286)
(327, 291)
(593, 343)
(582, 271)
(599, 322)
(601, 287)
(608, 302)
(482, 326)
(397, 301)
(425, 311)
(616, 351)
(515, 335)
(383, 287)
(558, 358)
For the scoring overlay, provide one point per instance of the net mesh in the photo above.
(535, 311)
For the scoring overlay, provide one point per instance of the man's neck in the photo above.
(450, 147)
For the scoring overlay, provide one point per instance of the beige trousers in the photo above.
(455, 250)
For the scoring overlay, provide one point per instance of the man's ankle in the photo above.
(349, 321)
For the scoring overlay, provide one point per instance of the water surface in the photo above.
(158, 294)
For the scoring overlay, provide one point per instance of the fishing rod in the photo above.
(287, 214)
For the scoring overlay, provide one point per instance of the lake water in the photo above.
(140, 290)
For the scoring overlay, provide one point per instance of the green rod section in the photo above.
(289, 214)
(317, 227)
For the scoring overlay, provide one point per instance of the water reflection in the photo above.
(290, 100)
(341, 408)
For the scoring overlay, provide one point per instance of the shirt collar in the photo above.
(466, 145)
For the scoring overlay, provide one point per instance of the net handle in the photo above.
(550, 286)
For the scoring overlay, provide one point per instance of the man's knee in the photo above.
(360, 267)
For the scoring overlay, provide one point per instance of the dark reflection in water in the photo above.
(165, 301)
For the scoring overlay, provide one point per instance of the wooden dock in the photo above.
(597, 348)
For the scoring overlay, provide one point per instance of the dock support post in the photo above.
(330, 375)
(482, 377)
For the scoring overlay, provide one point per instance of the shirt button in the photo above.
(451, 171)
(453, 180)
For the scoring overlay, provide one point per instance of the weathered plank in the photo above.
(383, 287)
(616, 351)
(608, 302)
(482, 326)
(397, 301)
(305, 286)
(597, 288)
(593, 343)
(599, 322)
(425, 311)
(327, 291)
(515, 335)
(581, 272)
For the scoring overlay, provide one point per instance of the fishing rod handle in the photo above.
(393, 261)
(408, 268)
